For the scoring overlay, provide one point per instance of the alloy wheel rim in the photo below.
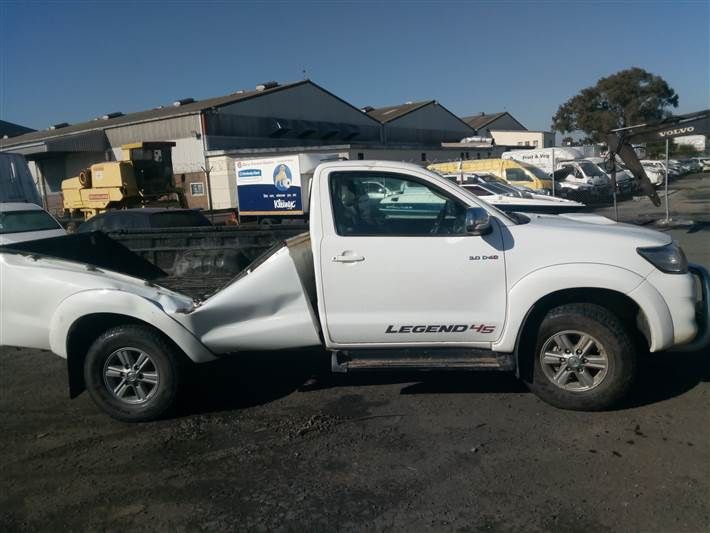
(131, 376)
(574, 361)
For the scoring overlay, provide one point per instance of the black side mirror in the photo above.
(478, 221)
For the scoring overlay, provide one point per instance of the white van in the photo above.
(580, 170)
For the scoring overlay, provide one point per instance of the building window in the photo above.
(478, 155)
(535, 143)
(197, 188)
(467, 156)
(360, 156)
(520, 143)
(423, 156)
(527, 143)
(461, 156)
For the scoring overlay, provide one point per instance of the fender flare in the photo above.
(118, 302)
(536, 285)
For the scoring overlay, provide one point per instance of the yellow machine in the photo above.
(143, 175)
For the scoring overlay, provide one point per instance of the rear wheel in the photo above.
(132, 373)
(585, 358)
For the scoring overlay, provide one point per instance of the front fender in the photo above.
(118, 302)
(530, 289)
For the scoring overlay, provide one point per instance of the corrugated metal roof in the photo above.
(387, 114)
(143, 116)
(479, 121)
(12, 130)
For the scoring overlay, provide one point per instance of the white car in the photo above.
(26, 222)
(508, 198)
(655, 171)
(567, 302)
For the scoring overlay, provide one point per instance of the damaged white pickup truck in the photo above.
(382, 282)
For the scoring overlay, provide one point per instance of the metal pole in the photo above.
(613, 191)
(207, 170)
(553, 171)
(666, 186)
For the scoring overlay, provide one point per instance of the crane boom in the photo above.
(620, 142)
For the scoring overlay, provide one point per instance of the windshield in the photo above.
(590, 169)
(535, 171)
(22, 221)
(499, 188)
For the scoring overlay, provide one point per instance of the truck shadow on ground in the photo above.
(248, 380)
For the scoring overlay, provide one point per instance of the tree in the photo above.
(631, 96)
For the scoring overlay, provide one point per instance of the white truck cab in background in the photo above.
(442, 281)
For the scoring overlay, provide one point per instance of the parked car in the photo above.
(704, 163)
(514, 172)
(25, 222)
(655, 172)
(564, 301)
(508, 198)
(625, 181)
(691, 165)
(144, 218)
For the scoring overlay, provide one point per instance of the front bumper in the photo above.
(702, 312)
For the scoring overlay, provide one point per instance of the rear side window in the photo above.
(23, 221)
(178, 219)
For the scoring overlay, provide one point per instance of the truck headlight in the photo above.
(669, 258)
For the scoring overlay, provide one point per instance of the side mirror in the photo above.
(478, 221)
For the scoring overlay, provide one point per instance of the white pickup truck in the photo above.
(566, 302)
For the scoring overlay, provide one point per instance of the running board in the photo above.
(422, 359)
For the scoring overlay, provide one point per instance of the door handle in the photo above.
(349, 258)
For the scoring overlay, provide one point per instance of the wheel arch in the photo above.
(86, 329)
(622, 305)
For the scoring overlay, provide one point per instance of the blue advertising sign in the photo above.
(269, 186)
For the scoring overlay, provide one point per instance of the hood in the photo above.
(579, 224)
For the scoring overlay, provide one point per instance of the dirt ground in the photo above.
(272, 442)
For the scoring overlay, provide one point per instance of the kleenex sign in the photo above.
(269, 186)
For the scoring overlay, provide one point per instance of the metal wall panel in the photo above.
(188, 154)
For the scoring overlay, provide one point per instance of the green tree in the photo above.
(631, 96)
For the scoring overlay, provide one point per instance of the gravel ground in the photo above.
(272, 442)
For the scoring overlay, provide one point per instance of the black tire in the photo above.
(616, 345)
(164, 364)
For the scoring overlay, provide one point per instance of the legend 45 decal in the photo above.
(440, 328)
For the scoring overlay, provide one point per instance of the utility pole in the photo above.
(208, 170)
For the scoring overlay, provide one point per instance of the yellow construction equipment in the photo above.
(144, 175)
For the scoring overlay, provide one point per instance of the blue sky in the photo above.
(71, 61)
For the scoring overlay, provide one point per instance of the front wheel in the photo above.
(585, 358)
(132, 373)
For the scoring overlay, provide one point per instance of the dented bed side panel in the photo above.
(266, 308)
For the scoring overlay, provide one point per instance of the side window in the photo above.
(400, 206)
(516, 174)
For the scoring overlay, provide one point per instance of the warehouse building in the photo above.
(271, 115)
(212, 134)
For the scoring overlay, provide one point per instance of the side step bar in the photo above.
(423, 359)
